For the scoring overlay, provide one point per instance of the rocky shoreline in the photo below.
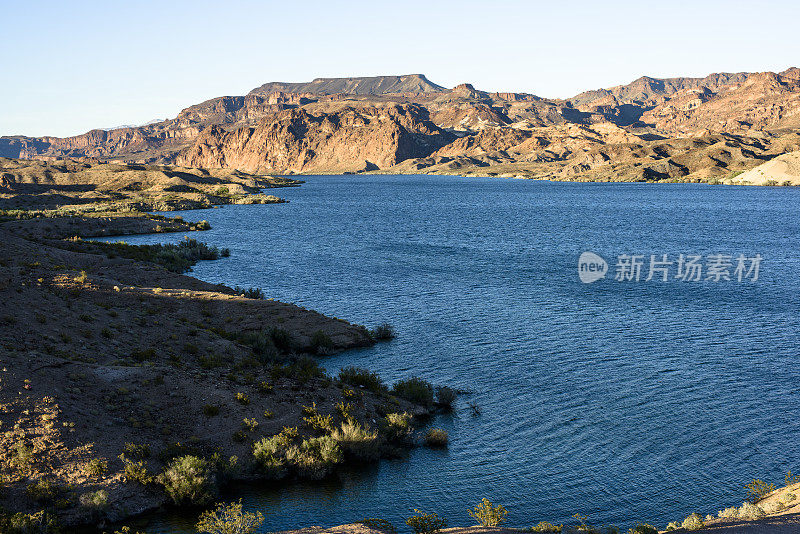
(114, 367)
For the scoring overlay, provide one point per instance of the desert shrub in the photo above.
(202, 225)
(42, 491)
(436, 437)
(41, 522)
(281, 338)
(544, 526)
(96, 467)
(261, 343)
(136, 451)
(693, 522)
(305, 368)
(242, 398)
(422, 523)
(95, 499)
(189, 480)
(356, 376)
(345, 410)
(790, 479)
(731, 512)
(673, 525)
(264, 387)
(135, 471)
(397, 426)
(488, 515)
(758, 489)
(319, 422)
(229, 519)
(415, 390)
(642, 528)
(270, 453)
(321, 343)
(750, 511)
(445, 396)
(315, 457)
(250, 292)
(357, 441)
(383, 332)
(378, 524)
(250, 424)
(22, 457)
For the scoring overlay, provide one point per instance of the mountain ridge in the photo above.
(343, 119)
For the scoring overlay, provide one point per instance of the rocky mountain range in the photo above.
(684, 129)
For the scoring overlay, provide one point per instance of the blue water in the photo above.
(620, 401)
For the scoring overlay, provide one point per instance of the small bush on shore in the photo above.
(758, 489)
(544, 526)
(270, 453)
(321, 343)
(422, 523)
(135, 471)
(378, 524)
(445, 396)
(97, 500)
(357, 441)
(415, 390)
(436, 437)
(693, 522)
(41, 522)
(229, 519)
(356, 376)
(750, 511)
(383, 332)
(189, 480)
(642, 528)
(250, 293)
(315, 457)
(489, 515)
(397, 427)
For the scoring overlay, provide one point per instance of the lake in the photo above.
(619, 400)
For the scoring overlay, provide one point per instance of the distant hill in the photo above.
(375, 85)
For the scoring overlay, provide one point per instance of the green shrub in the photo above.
(281, 338)
(305, 368)
(758, 489)
(138, 452)
(397, 426)
(135, 471)
(229, 519)
(250, 424)
(544, 526)
(41, 522)
(673, 525)
(436, 437)
(189, 480)
(356, 376)
(488, 515)
(315, 457)
(750, 511)
(321, 343)
(97, 500)
(643, 528)
(415, 390)
(378, 524)
(731, 512)
(445, 396)
(422, 523)
(383, 332)
(357, 441)
(242, 398)
(693, 522)
(270, 453)
(42, 491)
(250, 293)
(96, 467)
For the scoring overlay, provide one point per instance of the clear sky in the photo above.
(71, 66)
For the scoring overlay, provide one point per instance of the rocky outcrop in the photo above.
(376, 85)
(294, 141)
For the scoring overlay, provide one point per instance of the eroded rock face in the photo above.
(295, 141)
